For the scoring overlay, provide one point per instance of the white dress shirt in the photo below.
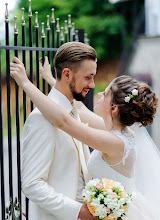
(50, 167)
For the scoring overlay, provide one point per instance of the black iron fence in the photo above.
(50, 40)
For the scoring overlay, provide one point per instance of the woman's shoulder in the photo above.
(127, 137)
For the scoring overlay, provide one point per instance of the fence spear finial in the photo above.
(23, 19)
(53, 19)
(36, 20)
(73, 28)
(58, 29)
(6, 13)
(69, 21)
(30, 10)
(15, 25)
(62, 35)
(86, 40)
(76, 36)
(66, 27)
(48, 26)
(43, 33)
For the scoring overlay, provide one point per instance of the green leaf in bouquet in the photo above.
(102, 201)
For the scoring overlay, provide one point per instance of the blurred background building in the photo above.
(144, 60)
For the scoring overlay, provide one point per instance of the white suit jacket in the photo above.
(50, 167)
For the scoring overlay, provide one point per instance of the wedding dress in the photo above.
(124, 172)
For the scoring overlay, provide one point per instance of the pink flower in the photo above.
(108, 210)
(99, 186)
(114, 195)
(127, 99)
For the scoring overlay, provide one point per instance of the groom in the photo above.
(54, 164)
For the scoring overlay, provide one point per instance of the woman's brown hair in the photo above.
(141, 108)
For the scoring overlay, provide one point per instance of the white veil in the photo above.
(147, 169)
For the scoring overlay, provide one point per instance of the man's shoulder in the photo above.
(37, 119)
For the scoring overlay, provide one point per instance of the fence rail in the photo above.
(56, 36)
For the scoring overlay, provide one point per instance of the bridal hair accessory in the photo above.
(106, 199)
(131, 96)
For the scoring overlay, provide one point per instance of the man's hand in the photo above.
(45, 72)
(85, 214)
(18, 72)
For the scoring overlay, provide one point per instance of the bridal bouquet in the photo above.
(106, 199)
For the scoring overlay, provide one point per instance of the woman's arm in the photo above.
(46, 73)
(98, 139)
(89, 117)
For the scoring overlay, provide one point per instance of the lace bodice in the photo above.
(123, 171)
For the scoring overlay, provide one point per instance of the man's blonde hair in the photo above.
(70, 55)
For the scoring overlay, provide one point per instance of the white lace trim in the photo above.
(129, 144)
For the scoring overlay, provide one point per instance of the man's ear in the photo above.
(67, 74)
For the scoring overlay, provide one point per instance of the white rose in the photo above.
(101, 211)
(109, 191)
(134, 92)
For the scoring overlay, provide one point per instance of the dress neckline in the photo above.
(128, 134)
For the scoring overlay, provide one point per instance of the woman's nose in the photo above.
(99, 95)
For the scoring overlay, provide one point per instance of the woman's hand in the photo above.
(18, 72)
(46, 73)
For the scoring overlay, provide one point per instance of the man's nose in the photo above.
(91, 84)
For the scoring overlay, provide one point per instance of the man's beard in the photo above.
(77, 96)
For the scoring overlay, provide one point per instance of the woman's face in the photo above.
(103, 105)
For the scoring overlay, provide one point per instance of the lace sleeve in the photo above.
(129, 143)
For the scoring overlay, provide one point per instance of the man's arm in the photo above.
(87, 116)
(38, 152)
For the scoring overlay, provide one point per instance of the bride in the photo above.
(121, 154)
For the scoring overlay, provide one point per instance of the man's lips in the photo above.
(86, 90)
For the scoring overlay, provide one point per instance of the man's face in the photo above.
(83, 79)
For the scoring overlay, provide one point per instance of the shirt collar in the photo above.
(61, 100)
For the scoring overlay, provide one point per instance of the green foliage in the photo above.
(100, 19)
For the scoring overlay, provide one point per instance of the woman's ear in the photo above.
(67, 74)
(115, 109)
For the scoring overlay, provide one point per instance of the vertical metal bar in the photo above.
(53, 39)
(66, 31)
(89, 98)
(48, 45)
(1, 150)
(24, 94)
(18, 127)
(37, 52)
(24, 62)
(86, 40)
(43, 55)
(9, 109)
(76, 36)
(73, 31)
(81, 35)
(58, 32)
(62, 36)
(70, 27)
(31, 78)
(30, 44)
